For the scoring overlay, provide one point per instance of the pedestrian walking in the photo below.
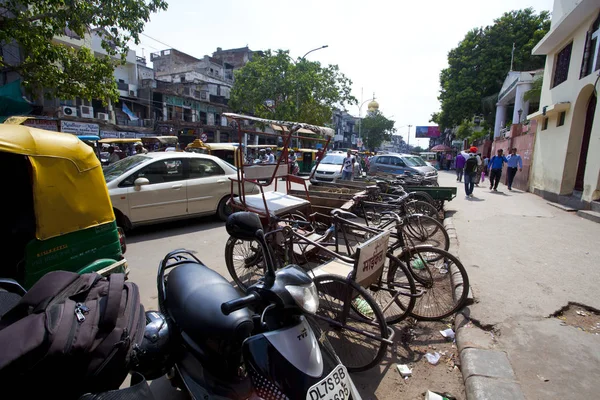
(479, 171)
(495, 167)
(460, 165)
(448, 161)
(347, 167)
(486, 161)
(513, 162)
(472, 162)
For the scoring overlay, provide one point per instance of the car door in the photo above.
(397, 165)
(381, 164)
(164, 197)
(206, 186)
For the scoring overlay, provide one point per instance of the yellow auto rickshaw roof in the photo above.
(222, 146)
(69, 190)
(119, 140)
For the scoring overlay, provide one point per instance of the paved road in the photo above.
(526, 260)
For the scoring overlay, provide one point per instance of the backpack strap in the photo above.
(113, 301)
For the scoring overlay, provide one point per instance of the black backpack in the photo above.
(70, 334)
(471, 165)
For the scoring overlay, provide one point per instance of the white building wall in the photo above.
(557, 149)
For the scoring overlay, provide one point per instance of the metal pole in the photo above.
(408, 140)
(297, 94)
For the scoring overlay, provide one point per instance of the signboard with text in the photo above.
(79, 128)
(427, 132)
(48, 125)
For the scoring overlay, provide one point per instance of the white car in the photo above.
(162, 186)
(329, 168)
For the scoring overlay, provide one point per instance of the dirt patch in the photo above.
(412, 342)
(581, 317)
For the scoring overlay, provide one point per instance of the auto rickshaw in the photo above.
(160, 143)
(229, 152)
(306, 159)
(57, 211)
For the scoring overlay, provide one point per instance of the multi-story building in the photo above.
(566, 165)
(346, 130)
(194, 93)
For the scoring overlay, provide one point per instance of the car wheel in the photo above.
(224, 210)
(122, 221)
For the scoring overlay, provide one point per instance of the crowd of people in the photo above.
(473, 168)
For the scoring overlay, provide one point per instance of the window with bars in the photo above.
(561, 65)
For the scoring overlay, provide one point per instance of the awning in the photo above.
(12, 101)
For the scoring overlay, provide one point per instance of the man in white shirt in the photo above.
(113, 157)
(270, 157)
(347, 167)
(473, 161)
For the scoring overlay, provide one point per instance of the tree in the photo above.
(63, 71)
(533, 95)
(376, 129)
(479, 64)
(418, 149)
(302, 91)
(465, 130)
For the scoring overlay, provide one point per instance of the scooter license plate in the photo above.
(335, 386)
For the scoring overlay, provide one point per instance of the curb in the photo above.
(487, 373)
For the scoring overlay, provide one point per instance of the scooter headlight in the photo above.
(305, 296)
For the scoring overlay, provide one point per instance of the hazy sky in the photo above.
(393, 48)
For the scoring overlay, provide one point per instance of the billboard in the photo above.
(427, 132)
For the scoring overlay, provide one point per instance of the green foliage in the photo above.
(479, 64)
(533, 95)
(64, 71)
(303, 91)
(376, 129)
(465, 130)
(482, 134)
(418, 149)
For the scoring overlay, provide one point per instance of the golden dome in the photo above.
(373, 106)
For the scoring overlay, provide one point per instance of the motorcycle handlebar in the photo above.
(237, 304)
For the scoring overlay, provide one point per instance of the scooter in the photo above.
(265, 345)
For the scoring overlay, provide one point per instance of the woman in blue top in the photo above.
(495, 167)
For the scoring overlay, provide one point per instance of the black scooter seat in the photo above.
(194, 296)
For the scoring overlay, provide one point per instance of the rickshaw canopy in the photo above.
(285, 124)
(169, 140)
(69, 189)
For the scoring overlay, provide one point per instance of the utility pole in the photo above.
(512, 57)
(408, 139)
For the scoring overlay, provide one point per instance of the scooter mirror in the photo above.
(243, 225)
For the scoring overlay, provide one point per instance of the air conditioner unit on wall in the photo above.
(86, 112)
(102, 116)
(68, 111)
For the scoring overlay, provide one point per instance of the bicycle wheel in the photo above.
(357, 337)
(423, 196)
(245, 262)
(426, 230)
(421, 207)
(437, 274)
(396, 292)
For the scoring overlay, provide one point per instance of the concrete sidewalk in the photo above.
(526, 260)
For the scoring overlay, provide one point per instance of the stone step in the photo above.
(591, 215)
(562, 207)
(595, 206)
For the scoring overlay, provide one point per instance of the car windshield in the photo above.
(117, 169)
(414, 161)
(335, 159)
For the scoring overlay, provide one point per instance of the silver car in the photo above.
(162, 186)
(329, 168)
(400, 164)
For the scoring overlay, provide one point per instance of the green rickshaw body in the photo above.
(61, 215)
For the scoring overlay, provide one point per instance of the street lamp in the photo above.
(298, 94)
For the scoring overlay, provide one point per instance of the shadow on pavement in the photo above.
(173, 228)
